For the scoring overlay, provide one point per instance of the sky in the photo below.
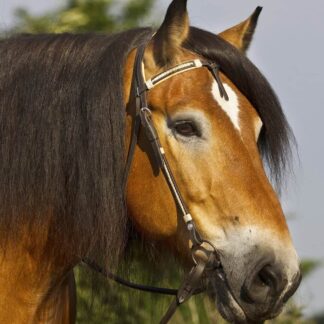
(288, 48)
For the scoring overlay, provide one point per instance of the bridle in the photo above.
(204, 254)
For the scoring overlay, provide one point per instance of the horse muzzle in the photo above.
(252, 293)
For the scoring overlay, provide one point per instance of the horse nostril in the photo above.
(266, 283)
(267, 277)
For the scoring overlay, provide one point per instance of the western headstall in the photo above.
(204, 253)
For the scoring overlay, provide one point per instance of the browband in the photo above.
(191, 65)
(178, 69)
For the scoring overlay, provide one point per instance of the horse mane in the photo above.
(62, 133)
(276, 137)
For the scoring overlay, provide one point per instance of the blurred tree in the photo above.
(87, 15)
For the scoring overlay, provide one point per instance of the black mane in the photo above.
(62, 139)
(62, 132)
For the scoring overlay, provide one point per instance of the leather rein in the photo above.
(204, 254)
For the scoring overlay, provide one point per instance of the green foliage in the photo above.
(112, 303)
(101, 301)
(86, 16)
(309, 266)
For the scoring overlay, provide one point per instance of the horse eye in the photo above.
(186, 128)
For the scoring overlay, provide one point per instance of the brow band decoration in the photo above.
(214, 69)
(191, 65)
(187, 66)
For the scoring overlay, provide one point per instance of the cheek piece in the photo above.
(204, 254)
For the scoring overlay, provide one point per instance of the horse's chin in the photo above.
(232, 312)
(226, 304)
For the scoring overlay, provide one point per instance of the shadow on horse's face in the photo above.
(211, 145)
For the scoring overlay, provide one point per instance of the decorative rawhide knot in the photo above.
(214, 69)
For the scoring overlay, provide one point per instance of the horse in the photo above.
(78, 171)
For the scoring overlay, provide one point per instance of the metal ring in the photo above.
(196, 248)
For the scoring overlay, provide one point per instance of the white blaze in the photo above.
(231, 107)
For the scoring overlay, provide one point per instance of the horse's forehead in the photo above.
(187, 88)
(198, 89)
(238, 108)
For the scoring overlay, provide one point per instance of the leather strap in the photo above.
(142, 117)
(136, 125)
(191, 282)
(109, 275)
(186, 290)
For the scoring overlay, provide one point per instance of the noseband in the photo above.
(204, 254)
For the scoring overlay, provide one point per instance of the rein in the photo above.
(205, 260)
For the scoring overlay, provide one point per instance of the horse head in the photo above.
(213, 147)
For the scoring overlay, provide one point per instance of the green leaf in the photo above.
(308, 266)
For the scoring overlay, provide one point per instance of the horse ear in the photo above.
(241, 35)
(172, 33)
